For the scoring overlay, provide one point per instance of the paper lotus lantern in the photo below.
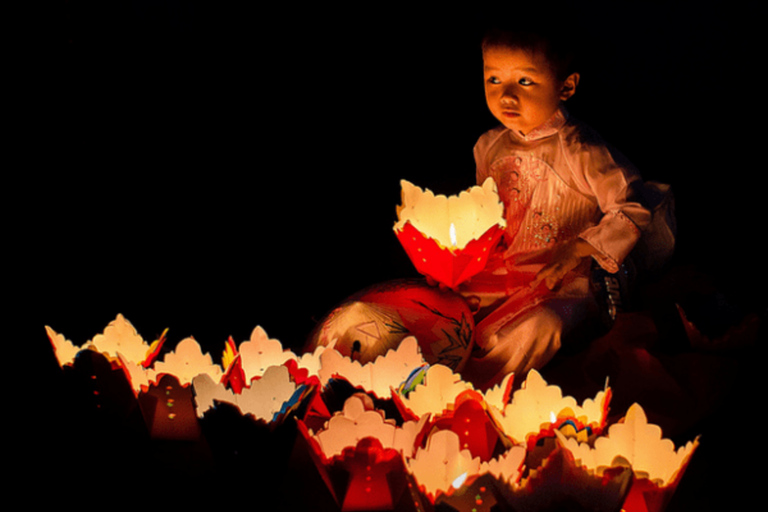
(442, 467)
(450, 238)
(438, 389)
(656, 464)
(266, 399)
(537, 407)
(359, 420)
(377, 377)
(253, 357)
(118, 339)
(561, 483)
(360, 454)
(378, 318)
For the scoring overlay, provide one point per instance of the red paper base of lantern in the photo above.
(447, 266)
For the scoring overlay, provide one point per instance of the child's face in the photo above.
(521, 89)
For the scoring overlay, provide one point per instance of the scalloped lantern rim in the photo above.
(471, 211)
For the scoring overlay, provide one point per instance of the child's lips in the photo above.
(510, 114)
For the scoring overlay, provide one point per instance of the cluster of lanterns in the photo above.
(395, 433)
(377, 402)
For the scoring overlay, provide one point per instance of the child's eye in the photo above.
(493, 80)
(525, 81)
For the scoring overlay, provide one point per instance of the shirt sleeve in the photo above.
(615, 184)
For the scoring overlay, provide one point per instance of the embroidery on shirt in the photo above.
(545, 229)
(517, 177)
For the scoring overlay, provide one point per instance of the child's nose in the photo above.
(509, 95)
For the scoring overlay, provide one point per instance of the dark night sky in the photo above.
(210, 168)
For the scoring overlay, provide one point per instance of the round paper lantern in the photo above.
(377, 319)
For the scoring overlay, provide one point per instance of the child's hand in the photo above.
(565, 258)
(431, 281)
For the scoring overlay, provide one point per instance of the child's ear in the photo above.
(569, 86)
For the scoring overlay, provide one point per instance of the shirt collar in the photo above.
(548, 128)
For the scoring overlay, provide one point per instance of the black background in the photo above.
(210, 167)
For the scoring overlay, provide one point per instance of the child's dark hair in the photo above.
(553, 41)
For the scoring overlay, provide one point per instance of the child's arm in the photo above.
(565, 258)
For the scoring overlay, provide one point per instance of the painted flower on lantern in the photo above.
(450, 238)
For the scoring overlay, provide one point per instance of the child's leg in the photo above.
(529, 341)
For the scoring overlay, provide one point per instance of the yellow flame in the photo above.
(452, 233)
(459, 480)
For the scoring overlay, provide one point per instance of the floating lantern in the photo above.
(560, 483)
(167, 402)
(252, 358)
(441, 444)
(442, 468)
(266, 399)
(438, 389)
(119, 338)
(450, 238)
(470, 420)
(108, 372)
(537, 407)
(377, 319)
(376, 377)
(359, 420)
(634, 442)
(359, 454)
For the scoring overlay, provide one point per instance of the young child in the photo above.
(569, 200)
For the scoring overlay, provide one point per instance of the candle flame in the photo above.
(452, 233)
(459, 480)
(552, 417)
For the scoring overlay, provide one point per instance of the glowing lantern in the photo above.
(450, 238)
(441, 463)
(442, 468)
(657, 466)
(560, 483)
(167, 403)
(266, 399)
(359, 420)
(376, 377)
(109, 371)
(187, 361)
(537, 407)
(362, 449)
(438, 389)
(118, 338)
(255, 356)
(470, 420)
